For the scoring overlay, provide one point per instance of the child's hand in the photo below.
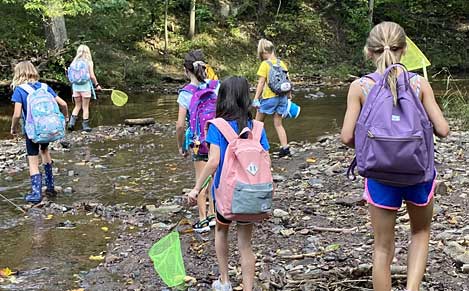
(192, 196)
(98, 88)
(14, 131)
(256, 103)
(183, 153)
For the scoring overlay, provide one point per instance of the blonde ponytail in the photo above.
(385, 45)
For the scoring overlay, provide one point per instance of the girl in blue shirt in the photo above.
(26, 73)
(234, 106)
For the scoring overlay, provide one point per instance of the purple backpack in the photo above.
(202, 108)
(394, 143)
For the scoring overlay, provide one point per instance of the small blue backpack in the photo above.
(78, 72)
(278, 81)
(44, 122)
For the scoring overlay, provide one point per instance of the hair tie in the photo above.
(198, 63)
(386, 47)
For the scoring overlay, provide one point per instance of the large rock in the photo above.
(279, 213)
(457, 252)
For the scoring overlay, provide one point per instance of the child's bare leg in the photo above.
(45, 156)
(383, 222)
(248, 259)
(260, 116)
(78, 105)
(420, 220)
(202, 197)
(282, 134)
(222, 248)
(33, 162)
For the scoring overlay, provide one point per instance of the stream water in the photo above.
(138, 170)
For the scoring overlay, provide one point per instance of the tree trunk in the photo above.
(192, 20)
(56, 32)
(166, 28)
(371, 5)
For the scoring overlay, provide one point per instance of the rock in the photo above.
(71, 173)
(457, 252)
(68, 190)
(160, 225)
(111, 259)
(150, 207)
(334, 169)
(465, 269)
(351, 200)
(283, 253)
(165, 210)
(278, 178)
(279, 213)
(287, 232)
(441, 188)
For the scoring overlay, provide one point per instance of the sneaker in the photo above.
(284, 152)
(201, 226)
(219, 286)
(211, 220)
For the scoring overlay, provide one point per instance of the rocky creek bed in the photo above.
(319, 237)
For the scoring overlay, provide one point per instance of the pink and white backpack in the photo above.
(246, 185)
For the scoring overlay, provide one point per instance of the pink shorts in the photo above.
(86, 94)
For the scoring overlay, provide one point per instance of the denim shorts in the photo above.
(32, 149)
(391, 197)
(273, 105)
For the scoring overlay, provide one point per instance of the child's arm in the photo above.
(15, 120)
(209, 169)
(260, 88)
(94, 80)
(180, 128)
(435, 115)
(63, 106)
(351, 115)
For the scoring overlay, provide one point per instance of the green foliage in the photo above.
(54, 8)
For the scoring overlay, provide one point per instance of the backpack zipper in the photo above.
(385, 138)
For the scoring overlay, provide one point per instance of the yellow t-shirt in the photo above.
(263, 71)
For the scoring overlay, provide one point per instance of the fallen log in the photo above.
(140, 121)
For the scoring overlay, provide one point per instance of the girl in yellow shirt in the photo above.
(270, 103)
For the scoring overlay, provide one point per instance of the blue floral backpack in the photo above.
(44, 122)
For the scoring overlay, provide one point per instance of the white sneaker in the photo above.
(219, 286)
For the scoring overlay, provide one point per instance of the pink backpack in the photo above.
(246, 184)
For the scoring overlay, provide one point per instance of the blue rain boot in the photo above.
(35, 196)
(49, 179)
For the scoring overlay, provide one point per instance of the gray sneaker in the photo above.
(219, 286)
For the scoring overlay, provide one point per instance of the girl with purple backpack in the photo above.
(195, 70)
(234, 106)
(25, 77)
(399, 92)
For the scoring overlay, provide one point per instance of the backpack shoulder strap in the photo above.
(225, 128)
(257, 128)
(191, 88)
(44, 86)
(28, 88)
(213, 84)
(373, 76)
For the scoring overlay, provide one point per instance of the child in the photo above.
(26, 73)
(234, 106)
(83, 89)
(194, 69)
(385, 46)
(270, 103)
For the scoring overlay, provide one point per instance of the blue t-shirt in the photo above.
(214, 136)
(184, 97)
(21, 96)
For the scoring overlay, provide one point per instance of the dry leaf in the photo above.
(6, 272)
(105, 228)
(96, 258)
